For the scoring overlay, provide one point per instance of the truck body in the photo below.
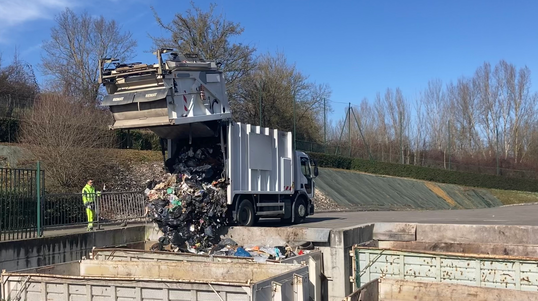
(103, 280)
(183, 100)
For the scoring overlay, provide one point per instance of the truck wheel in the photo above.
(300, 211)
(245, 214)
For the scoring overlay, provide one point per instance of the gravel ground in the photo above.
(324, 203)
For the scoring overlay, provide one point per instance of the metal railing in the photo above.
(68, 209)
(20, 194)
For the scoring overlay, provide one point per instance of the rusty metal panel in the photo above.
(476, 270)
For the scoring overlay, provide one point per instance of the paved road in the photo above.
(506, 215)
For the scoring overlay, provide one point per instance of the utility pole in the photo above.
(260, 95)
(349, 127)
(401, 140)
(497, 151)
(449, 140)
(363, 139)
(324, 123)
(294, 126)
(341, 134)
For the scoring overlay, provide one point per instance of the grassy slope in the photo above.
(510, 197)
(507, 197)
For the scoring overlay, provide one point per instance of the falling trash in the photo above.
(189, 205)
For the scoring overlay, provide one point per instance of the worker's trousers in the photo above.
(89, 213)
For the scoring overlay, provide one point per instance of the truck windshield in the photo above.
(305, 167)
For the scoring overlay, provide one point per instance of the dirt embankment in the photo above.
(335, 190)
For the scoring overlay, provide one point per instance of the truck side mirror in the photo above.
(315, 164)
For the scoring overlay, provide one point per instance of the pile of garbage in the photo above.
(189, 205)
(228, 247)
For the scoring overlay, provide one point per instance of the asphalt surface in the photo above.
(506, 215)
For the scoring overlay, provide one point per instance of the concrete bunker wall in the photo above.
(404, 290)
(30, 253)
(335, 244)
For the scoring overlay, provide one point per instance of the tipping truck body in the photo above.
(183, 100)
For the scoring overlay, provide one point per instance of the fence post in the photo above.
(97, 210)
(38, 186)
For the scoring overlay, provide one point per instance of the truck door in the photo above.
(307, 172)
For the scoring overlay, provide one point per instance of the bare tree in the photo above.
(419, 127)
(488, 106)
(381, 130)
(435, 104)
(505, 77)
(18, 88)
(71, 139)
(524, 112)
(275, 85)
(76, 44)
(209, 35)
(464, 108)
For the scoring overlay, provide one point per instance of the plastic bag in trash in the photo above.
(240, 252)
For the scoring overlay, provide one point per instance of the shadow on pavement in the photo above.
(272, 222)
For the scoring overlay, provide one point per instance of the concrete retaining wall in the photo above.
(337, 262)
(521, 241)
(335, 244)
(403, 290)
(30, 253)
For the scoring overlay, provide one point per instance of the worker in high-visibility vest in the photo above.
(89, 196)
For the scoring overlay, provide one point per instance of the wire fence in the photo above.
(68, 209)
(437, 159)
(26, 210)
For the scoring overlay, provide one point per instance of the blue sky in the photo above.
(358, 48)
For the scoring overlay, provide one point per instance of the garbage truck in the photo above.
(182, 99)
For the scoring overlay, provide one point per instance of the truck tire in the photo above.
(245, 214)
(300, 211)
